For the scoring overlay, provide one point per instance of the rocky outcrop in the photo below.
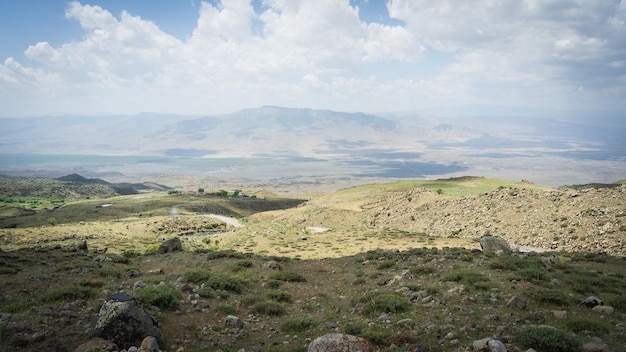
(123, 321)
(494, 245)
(171, 245)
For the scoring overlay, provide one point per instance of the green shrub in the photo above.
(206, 292)
(355, 329)
(471, 279)
(274, 283)
(387, 264)
(108, 273)
(288, 276)
(619, 303)
(513, 263)
(163, 296)
(535, 275)
(546, 338)
(280, 296)
(196, 275)
(596, 327)
(70, 293)
(384, 302)
(298, 324)
(223, 282)
(268, 308)
(377, 337)
(551, 297)
(15, 305)
(422, 270)
(226, 308)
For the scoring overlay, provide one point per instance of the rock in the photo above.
(489, 344)
(559, 314)
(171, 245)
(340, 343)
(604, 309)
(271, 265)
(496, 346)
(591, 302)
(149, 344)
(516, 302)
(481, 345)
(77, 247)
(39, 336)
(123, 321)
(494, 245)
(97, 344)
(233, 321)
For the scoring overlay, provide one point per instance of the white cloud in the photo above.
(320, 54)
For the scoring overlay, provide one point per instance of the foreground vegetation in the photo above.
(289, 283)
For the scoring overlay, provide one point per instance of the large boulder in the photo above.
(171, 245)
(494, 245)
(340, 343)
(123, 321)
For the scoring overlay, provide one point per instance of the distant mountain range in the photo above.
(272, 131)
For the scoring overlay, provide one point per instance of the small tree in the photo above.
(200, 190)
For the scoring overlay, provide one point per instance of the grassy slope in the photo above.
(449, 291)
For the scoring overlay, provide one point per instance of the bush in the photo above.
(355, 329)
(471, 279)
(223, 282)
(596, 327)
(422, 270)
(298, 324)
(196, 275)
(547, 338)
(226, 308)
(513, 263)
(274, 283)
(550, 296)
(163, 296)
(206, 292)
(70, 293)
(268, 308)
(384, 302)
(288, 276)
(280, 296)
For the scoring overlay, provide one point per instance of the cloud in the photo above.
(321, 54)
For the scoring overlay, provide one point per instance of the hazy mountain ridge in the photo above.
(401, 145)
(274, 129)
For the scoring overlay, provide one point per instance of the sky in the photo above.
(193, 57)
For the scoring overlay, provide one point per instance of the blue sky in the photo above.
(208, 57)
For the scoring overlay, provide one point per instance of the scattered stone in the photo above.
(97, 344)
(604, 309)
(77, 247)
(336, 342)
(489, 344)
(149, 344)
(157, 271)
(123, 321)
(559, 314)
(591, 302)
(171, 245)
(271, 265)
(494, 245)
(139, 284)
(233, 321)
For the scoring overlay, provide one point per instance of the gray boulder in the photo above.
(123, 321)
(494, 245)
(340, 343)
(171, 245)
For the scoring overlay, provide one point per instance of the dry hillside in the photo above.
(581, 218)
